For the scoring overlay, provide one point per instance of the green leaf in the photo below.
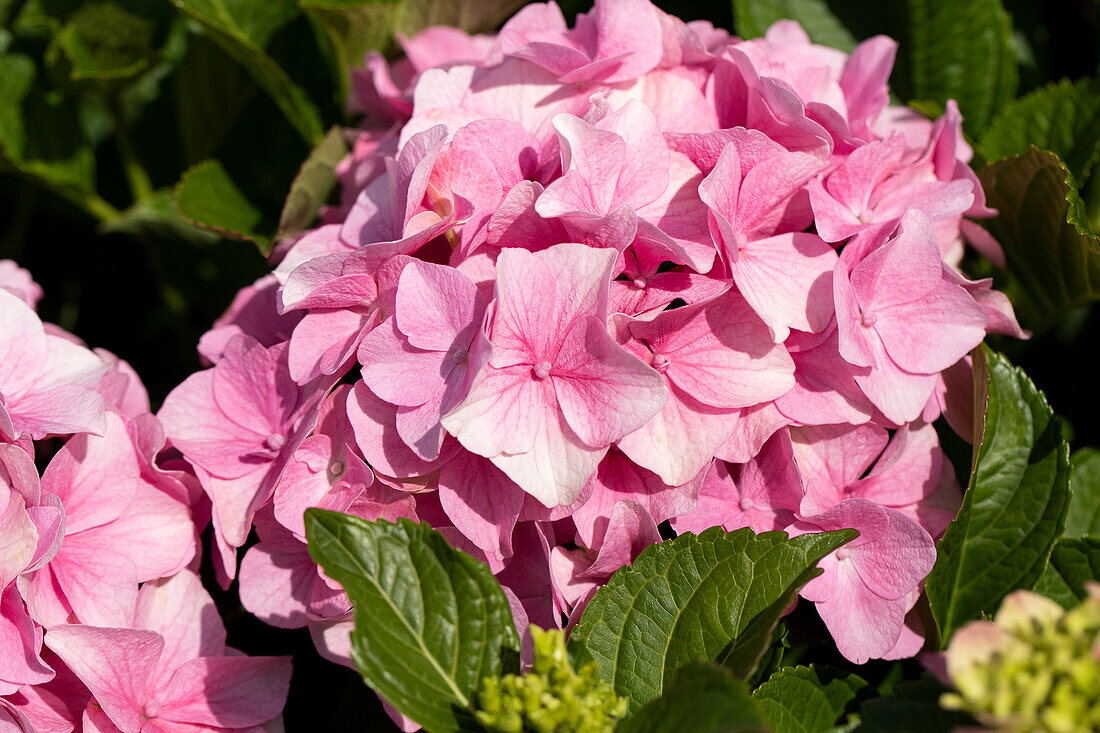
(912, 707)
(430, 621)
(696, 598)
(702, 698)
(242, 28)
(41, 136)
(207, 197)
(1062, 117)
(1083, 517)
(753, 17)
(961, 50)
(1073, 562)
(1052, 258)
(313, 184)
(210, 92)
(103, 41)
(158, 216)
(1014, 508)
(806, 699)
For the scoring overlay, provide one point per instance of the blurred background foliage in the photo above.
(147, 148)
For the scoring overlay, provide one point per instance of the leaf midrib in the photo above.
(420, 641)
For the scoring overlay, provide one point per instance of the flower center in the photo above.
(639, 283)
(869, 318)
(274, 442)
(459, 356)
(746, 504)
(151, 709)
(660, 362)
(843, 553)
(541, 370)
(336, 468)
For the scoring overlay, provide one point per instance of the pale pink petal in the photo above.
(227, 692)
(680, 440)
(604, 391)
(20, 643)
(619, 479)
(481, 502)
(787, 279)
(753, 428)
(437, 306)
(99, 581)
(182, 612)
(558, 465)
(115, 664)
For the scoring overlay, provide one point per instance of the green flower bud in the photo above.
(1034, 668)
(552, 697)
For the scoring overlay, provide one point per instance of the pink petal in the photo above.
(629, 531)
(276, 586)
(437, 306)
(376, 435)
(115, 664)
(397, 371)
(182, 612)
(530, 323)
(99, 581)
(787, 279)
(482, 502)
(864, 625)
(324, 341)
(754, 426)
(558, 465)
(603, 391)
(825, 390)
(680, 440)
(227, 692)
(619, 479)
(720, 353)
(20, 642)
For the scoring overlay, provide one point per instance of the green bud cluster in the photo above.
(552, 697)
(1034, 668)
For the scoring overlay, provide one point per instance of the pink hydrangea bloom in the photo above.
(586, 280)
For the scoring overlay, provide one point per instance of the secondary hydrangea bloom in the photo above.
(102, 625)
(596, 279)
(1033, 667)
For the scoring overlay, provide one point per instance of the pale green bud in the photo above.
(1034, 668)
(552, 697)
